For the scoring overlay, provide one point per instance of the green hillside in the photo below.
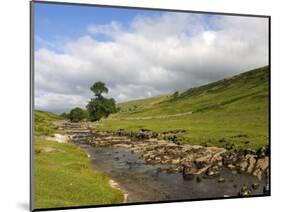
(232, 111)
(43, 122)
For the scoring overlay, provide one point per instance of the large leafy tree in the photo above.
(100, 106)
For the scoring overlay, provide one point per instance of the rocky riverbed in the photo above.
(191, 162)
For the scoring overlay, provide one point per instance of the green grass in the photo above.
(43, 123)
(64, 178)
(229, 111)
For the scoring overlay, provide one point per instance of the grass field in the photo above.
(63, 175)
(231, 111)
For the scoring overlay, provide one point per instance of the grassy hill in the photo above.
(43, 122)
(232, 111)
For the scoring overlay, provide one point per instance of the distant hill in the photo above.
(234, 108)
(248, 90)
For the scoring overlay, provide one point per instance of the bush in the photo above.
(77, 114)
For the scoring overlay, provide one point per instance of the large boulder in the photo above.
(262, 165)
(251, 163)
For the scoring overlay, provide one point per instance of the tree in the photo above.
(100, 106)
(98, 88)
(77, 114)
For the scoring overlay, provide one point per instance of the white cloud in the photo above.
(108, 29)
(155, 55)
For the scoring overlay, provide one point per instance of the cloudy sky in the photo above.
(137, 53)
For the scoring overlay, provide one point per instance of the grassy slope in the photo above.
(63, 173)
(235, 109)
(44, 122)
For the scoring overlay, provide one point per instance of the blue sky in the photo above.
(55, 22)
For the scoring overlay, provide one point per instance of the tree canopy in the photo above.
(100, 106)
(98, 88)
(77, 114)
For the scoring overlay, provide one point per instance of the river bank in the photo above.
(62, 175)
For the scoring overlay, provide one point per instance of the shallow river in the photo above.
(144, 182)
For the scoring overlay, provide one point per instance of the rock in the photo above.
(166, 157)
(175, 161)
(220, 164)
(221, 180)
(252, 163)
(255, 186)
(245, 191)
(213, 171)
(188, 172)
(179, 169)
(231, 166)
(123, 145)
(58, 138)
(148, 155)
(228, 159)
(171, 137)
(200, 163)
(242, 165)
(261, 167)
(144, 134)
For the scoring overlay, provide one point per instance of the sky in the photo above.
(137, 53)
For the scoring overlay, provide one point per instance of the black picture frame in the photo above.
(31, 106)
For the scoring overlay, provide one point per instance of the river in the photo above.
(143, 182)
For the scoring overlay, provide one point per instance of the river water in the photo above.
(144, 182)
